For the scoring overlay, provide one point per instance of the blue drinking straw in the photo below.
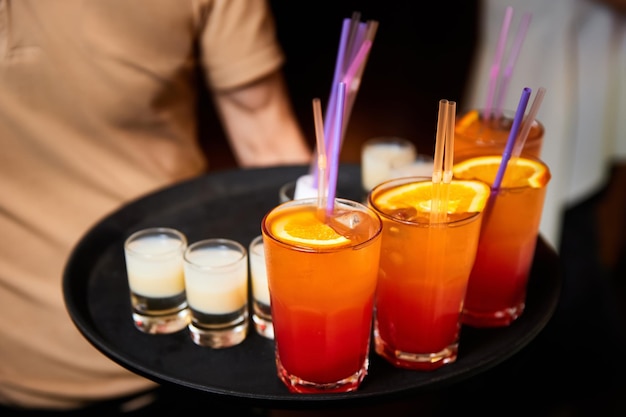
(506, 155)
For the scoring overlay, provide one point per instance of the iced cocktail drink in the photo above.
(424, 269)
(496, 293)
(322, 272)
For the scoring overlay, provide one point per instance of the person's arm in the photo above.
(261, 125)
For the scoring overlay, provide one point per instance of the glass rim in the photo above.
(522, 156)
(313, 201)
(219, 242)
(467, 218)
(156, 232)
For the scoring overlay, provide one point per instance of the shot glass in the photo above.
(475, 135)
(496, 293)
(423, 276)
(154, 265)
(216, 281)
(381, 155)
(421, 166)
(322, 275)
(261, 306)
(303, 187)
(287, 191)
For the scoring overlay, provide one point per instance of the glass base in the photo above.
(164, 323)
(501, 318)
(263, 327)
(416, 361)
(262, 318)
(298, 385)
(219, 338)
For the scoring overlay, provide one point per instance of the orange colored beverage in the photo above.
(476, 136)
(496, 293)
(424, 270)
(322, 278)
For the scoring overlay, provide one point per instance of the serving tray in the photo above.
(231, 204)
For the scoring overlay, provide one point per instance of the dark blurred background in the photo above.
(576, 366)
(417, 58)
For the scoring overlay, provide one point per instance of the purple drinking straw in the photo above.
(351, 45)
(335, 146)
(355, 45)
(351, 80)
(510, 65)
(506, 155)
(495, 67)
(328, 119)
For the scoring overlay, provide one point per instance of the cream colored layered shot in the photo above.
(380, 156)
(261, 307)
(154, 265)
(216, 281)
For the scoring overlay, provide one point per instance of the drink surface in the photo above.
(322, 281)
(478, 136)
(217, 280)
(154, 266)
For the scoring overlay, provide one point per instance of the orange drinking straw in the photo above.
(321, 154)
(442, 167)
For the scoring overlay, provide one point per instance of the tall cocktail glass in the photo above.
(424, 269)
(496, 293)
(322, 272)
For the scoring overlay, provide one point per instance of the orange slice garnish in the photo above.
(306, 228)
(463, 196)
(520, 172)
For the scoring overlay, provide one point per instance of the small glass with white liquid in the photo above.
(154, 264)
(216, 281)
(381, 155)
(261, 307)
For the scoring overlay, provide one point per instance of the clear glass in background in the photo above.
(422, 166)
(322, 296)
(303, 187)
(287, 191)
(380, 155)
(475, 136)
(154, 264)
(496, 293)
(216, 281)
(261, 305)
(424, 273)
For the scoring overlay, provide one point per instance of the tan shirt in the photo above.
(96, 109)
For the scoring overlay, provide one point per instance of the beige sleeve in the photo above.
(238, 43)
(242, 58)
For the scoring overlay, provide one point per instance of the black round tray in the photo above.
(231, 204)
